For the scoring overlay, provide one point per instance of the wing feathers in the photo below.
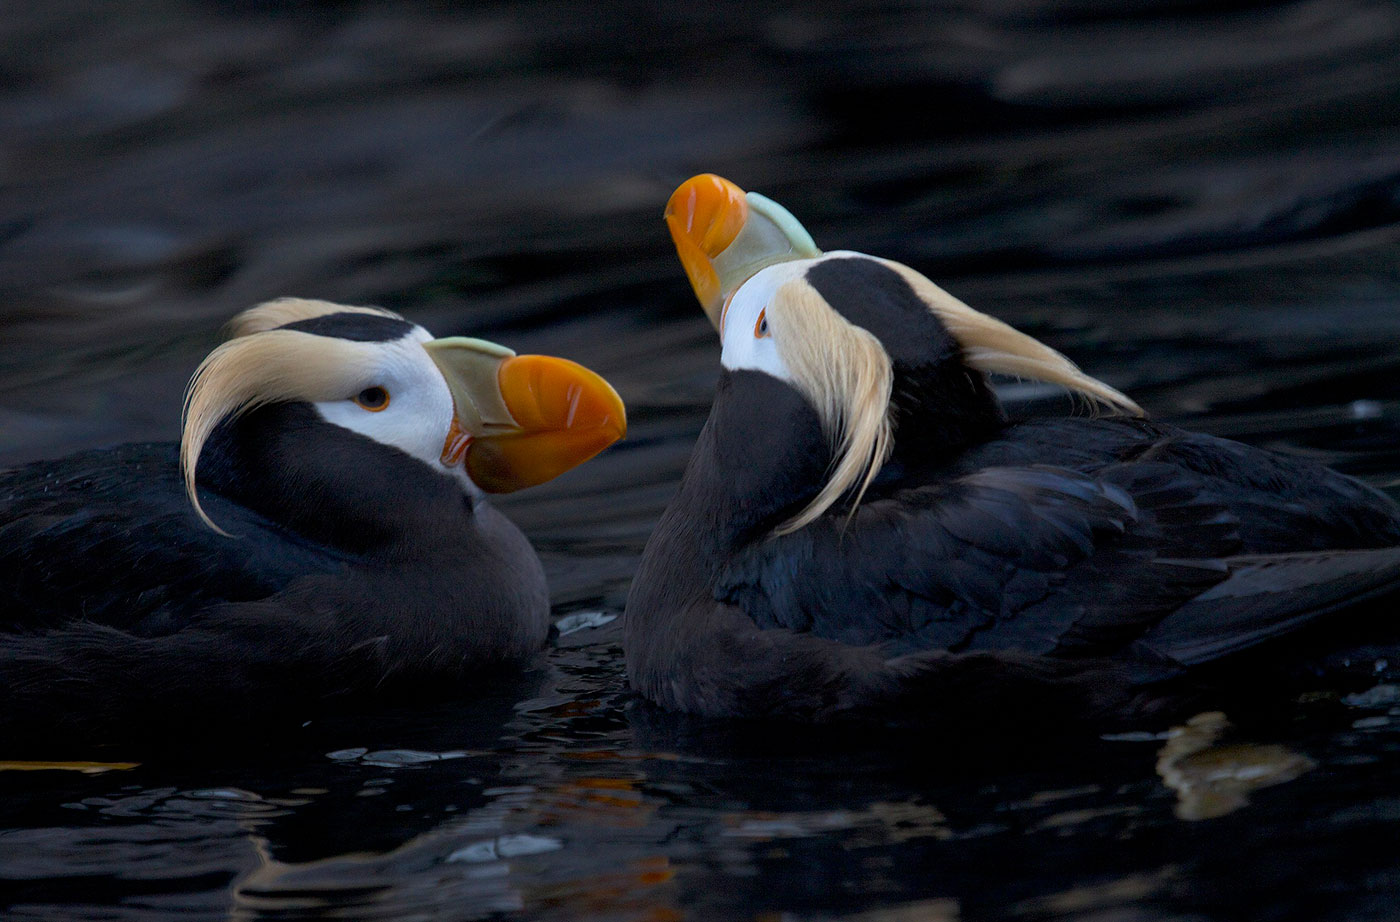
(1051, 562)
(1269, 595)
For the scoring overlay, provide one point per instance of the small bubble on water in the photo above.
(345, 755)
(1381, 696)
(583, 620)
(513, 846)
(1366, 409)
(1370, 723)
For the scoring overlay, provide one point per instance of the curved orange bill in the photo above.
(520, 420)
(724, 235)
(564, 414)
(704, 215)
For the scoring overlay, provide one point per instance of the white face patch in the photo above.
(746, 343)
(419, 412)
(747, 340)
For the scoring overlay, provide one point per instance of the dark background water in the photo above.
(1199, 202)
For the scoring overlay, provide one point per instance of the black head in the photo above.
(892, 364)
(895, 368)
(938, 403)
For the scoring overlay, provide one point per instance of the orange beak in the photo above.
(724, 235)
(704, 216)
(522, 420)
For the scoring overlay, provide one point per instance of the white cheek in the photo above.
(755, 354)
(414, 422)
(419, 414)
(743, 347)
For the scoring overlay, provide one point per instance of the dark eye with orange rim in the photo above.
(373, 399)
(760, 327)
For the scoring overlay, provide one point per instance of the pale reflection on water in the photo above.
(1212, 778)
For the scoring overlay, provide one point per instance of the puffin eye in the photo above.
(760, 327)
(373, 399)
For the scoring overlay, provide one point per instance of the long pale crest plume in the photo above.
(281, 311)
(847, 375)
(993, 347)
(262, 365)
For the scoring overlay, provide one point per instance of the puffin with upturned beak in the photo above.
(862, 533)
(321, 532)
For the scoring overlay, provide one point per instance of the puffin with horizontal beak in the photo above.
(321, 531)
(862, 532)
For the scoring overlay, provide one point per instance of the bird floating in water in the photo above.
(320, 532)
(861, 531)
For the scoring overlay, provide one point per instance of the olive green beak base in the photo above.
(520, 420)
(724, 236)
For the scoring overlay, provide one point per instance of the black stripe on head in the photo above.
(354, 326)
(939, 405)
(876, 298)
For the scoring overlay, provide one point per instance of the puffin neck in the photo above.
(761, 456)
(331, 485)
(939, 411)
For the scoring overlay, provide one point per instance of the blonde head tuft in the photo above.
(281, 311)
(993, 347)
(845, 373)
(263, 365)
(848, 377)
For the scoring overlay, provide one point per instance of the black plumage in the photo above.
(1090, 563)
(320, 537)
(1052, 557)
(126, 616)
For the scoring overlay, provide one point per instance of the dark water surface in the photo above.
(1198, 202)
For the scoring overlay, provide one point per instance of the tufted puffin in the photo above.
(862, 532)
(320, 532)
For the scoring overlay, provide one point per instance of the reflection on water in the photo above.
(917, 911)
(87, 768)
(611, 810)
(1199, 203)
(1211, 778)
